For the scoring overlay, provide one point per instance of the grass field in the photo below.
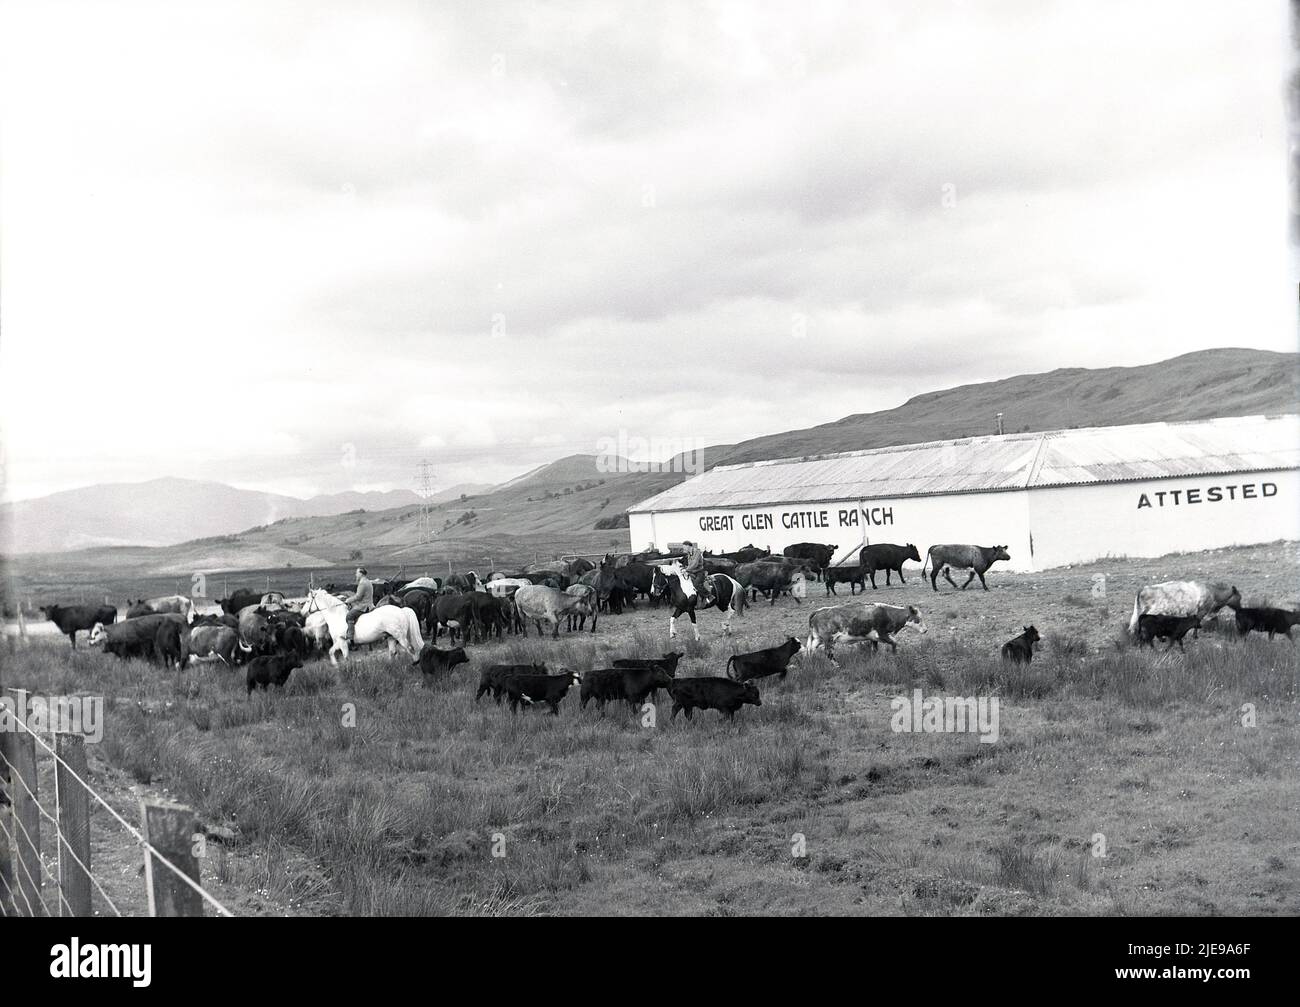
(1143, 753)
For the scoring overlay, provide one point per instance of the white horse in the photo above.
(400, 625)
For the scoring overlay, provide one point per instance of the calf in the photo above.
(492, 678)
(601, 685)
(761, 663)
(887, 557)
(865, 623)
(1266, 620)
(264, 672)
(634, 685)
(1182, 597)
(667, 664)
(975, 558)
(691, 694)
(1171, 627)
(432, 660)
(854, 576)
(1020, 649)
(70, 618)
(530, 689)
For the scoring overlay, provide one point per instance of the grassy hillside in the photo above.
(1209, 383)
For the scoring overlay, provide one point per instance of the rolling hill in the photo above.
(1194, 386)
(554, 508)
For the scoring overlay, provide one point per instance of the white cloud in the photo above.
(237, 239)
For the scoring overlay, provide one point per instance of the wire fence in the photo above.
(38, 881)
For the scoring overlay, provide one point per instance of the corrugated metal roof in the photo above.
(1008, 462)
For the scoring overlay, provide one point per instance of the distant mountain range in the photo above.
(556, 506)
(167, 511)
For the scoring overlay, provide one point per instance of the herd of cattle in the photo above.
(273, 635)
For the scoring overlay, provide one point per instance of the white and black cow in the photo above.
(865, 623)
(1182, 598)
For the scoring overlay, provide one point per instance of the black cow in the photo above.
(638, 577)
(264, 672)
(240, 598)
(290, 639)
(456, 612)
(602, 685)
(133, 637)
(721, 694)
(630, 681)
(1266, 620)
(887, 557)
(171, 644)
(667, 664)
(530, 689)
(487, 613)
(640, 684)
(746, 555)
(70, 618)
(1020, 649)
(493, 678)
(761, 663)
(432, 660)
(819, 555)
(508, 615)
(1170, 627)
(420, 601)
(854, 576)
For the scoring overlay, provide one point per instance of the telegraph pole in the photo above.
(425, 482)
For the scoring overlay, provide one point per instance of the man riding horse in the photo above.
(361, 601)
(693, 567)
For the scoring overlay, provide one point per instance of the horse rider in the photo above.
(361, 601)
(693, 567)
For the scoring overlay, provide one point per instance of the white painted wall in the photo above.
(1082, 523)
(979, 518)
(1069, 525)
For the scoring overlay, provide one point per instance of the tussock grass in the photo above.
(397, 814)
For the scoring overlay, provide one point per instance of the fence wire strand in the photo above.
(135, 834)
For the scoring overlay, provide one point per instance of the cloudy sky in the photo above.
(301, 248)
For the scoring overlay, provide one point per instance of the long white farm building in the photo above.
(1054, 498)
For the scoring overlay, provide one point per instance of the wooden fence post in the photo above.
(170, 829)
(26, 812)
(73, 804)
(8, 897)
